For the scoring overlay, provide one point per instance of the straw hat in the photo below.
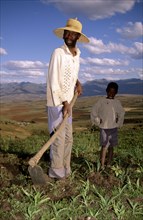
(72, 25)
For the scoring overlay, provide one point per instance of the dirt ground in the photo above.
(14, 170)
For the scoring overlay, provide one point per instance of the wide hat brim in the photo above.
(60, 31)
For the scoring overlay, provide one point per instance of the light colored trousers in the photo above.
(60, 150)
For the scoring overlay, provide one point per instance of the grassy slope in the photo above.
(88, 193)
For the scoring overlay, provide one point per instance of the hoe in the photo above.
(36, 172)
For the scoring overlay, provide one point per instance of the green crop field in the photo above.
(115, 193)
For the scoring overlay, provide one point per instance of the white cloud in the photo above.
(24, 64)
(104, 62)
(132, 30)
(28, 70)
(93, 9)
(136, 52)
(94, 72)
(2, 51)
(37, 76)
(98, 47)
(140, 73)
(23, 73)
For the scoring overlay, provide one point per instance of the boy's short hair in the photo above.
(112, 85)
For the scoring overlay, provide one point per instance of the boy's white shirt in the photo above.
(107, 111)
(62, 76)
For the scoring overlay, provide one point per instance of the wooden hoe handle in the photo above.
(34, 160)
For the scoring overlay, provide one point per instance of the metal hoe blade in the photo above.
(37, 175)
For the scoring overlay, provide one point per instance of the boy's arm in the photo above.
(121, 113)
(95, 120)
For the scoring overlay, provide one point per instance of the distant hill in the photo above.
(22, 88)
(27, 90)
(127, 86)
(22, 91)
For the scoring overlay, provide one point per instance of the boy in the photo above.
(108, 115)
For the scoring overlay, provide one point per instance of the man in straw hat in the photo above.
(62, 82)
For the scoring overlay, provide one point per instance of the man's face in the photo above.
(70, 38)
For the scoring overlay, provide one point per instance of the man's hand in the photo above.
(78, 87)
(66, 109)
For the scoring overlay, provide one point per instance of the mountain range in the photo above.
(28, 90)
(126, 86)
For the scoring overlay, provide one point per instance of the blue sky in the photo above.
(114, 27)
